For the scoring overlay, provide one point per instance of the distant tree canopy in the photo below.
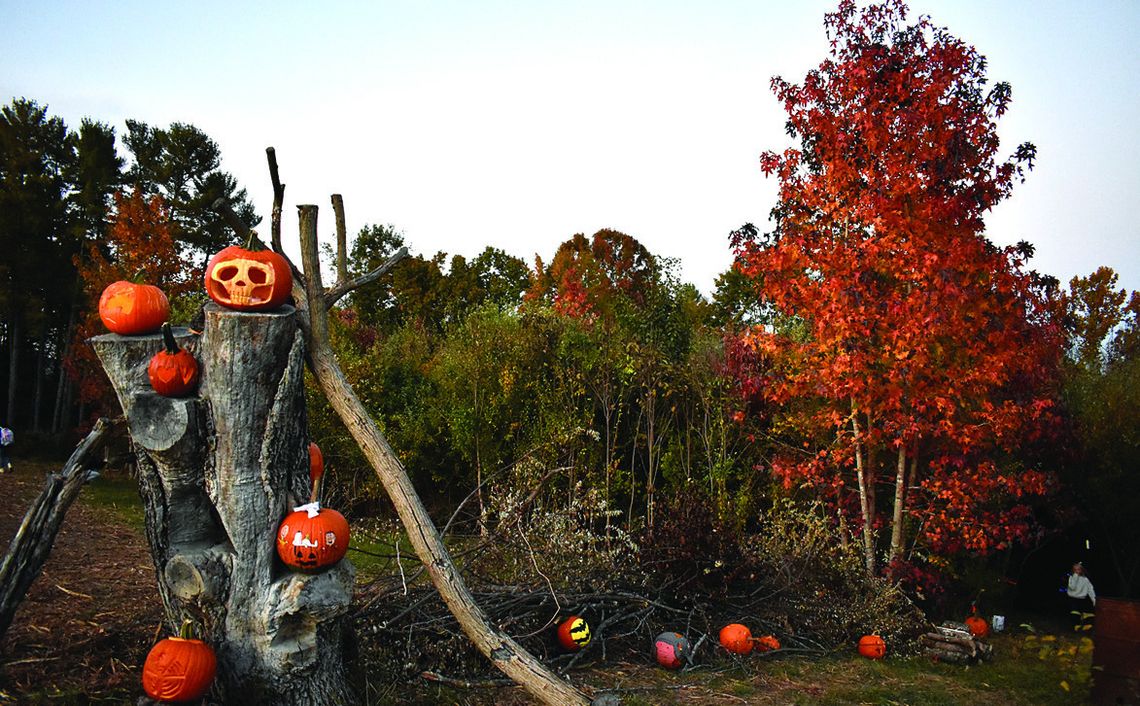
(60, 192)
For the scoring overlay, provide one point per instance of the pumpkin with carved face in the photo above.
(312, 538)
(248, 280)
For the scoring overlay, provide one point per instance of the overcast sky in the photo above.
(467, 124)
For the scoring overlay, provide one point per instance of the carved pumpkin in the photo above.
(130, 309)
(248, 280)
(173, 372)
(766, 643)
(573, 633)
(671, 649)
(312, 538)
(978, 626)
(736, 638)
(179, 668)
(872, 647)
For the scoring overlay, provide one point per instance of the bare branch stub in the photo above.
(344, 287)
(341, 240)
(278, 199)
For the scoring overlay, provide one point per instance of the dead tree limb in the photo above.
(507, 655)
(30, 548)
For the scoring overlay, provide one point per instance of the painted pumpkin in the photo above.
(573, 633)
(179, 669)
(248, 280)
(671, 649)
(173, 372)
(736, 638)
(872, 647)
(312, 538)
(767, 643)
(130, 309)
(978, 626)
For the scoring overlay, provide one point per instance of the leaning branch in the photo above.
(32, 544)
(342, 287)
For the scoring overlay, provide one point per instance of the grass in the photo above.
(119, 494)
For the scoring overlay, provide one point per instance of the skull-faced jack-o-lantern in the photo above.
(312, 538)
(248, 280)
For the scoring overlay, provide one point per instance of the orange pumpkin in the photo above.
(767, 643)
(872, 647)
(248, 280)
(316, 462)
(312, 538)
(736, 638)
(179, 668)
(130, 309)
(173, 372)
(978, 626)
(573, 633)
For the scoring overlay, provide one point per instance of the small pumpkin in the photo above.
(130, 309)
(179, 668)
(767, 643)
(248, 280)
(978, 626)
(312, 538)
(573, 633)
(736, 638)
(173, 372)
(671, 649)
(872, 647)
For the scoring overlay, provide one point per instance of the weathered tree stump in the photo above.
(217, 473)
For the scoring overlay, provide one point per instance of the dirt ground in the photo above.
(86, 624)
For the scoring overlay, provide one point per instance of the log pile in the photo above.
(952, 642)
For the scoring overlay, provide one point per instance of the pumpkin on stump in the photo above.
(872, 647)
(173, 372)
(248, 280)
(312, 538)
(736, 638)
(573, 633)
(130, 309)
(179, 668)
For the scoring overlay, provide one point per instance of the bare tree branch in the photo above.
(341, 240)
(344, 287)
(278, 199)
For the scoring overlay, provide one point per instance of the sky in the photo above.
(519, 124)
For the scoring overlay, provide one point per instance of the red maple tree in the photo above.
(586, 273)
(914, 351)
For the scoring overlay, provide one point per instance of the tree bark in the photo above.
(217, 473)
(13, 365)
(31, 546)
(864, 494)
(507, 655)
(900, 504)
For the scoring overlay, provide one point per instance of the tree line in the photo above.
(874, 352)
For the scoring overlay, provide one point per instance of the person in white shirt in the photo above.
(1082, 597)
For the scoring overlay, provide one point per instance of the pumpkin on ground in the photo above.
(173, 372)
(248, 280)
(978, 626)
(767, 643)
(872, 647)
(573, 633)
(179, 668)
(736, 638)
(312, 538)
(130, 309)
(671, 649)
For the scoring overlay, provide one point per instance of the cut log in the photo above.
(217, 473)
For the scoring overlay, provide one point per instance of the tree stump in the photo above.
(217, 473)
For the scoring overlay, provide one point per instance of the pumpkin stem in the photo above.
(168, 339)
(249, 240)
(316, 494)
(186, 632)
